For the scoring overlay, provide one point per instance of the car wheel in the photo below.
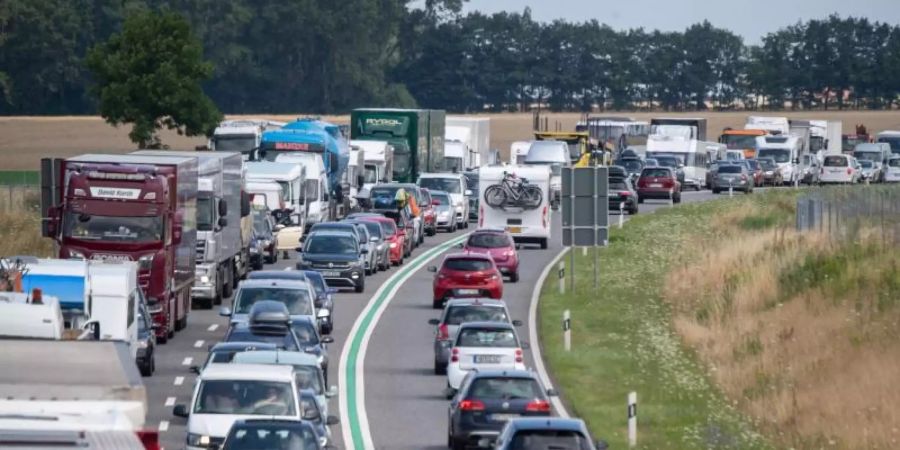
(437, 304)
(633, 211)
(440, 368)
(514, 277)
(716, 191)
(640, 199)
(676, 199)
(360, 287)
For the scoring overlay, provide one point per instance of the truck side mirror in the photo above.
(180, 411)
(245, 204)
(223, 208)
(223, 222)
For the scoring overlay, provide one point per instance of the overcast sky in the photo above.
(749, 18)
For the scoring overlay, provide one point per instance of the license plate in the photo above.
(514, 230)
(486, 359)
(467, 291)
(331, 273)
(656, 185)
(503, 417)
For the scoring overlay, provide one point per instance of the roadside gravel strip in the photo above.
(356, 433)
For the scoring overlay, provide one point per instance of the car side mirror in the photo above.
(223, 222)
(525, 346)
(195, 369)
(518, 246)
(434, 321)
(460, 245)
(517, 323)
(602, 445)
(432, 269)
(225, 311)
(180, 411)
(468, 193)
(299, 249)
(364, 250)
(332, 420)
(332, 392)
(223, 208)
(552, 392)
(327, 340)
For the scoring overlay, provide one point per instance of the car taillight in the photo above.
(471, 405)
(481, 216)
(544, 217)
(849, 171)
(149, 439)
(443, 332)
(538, 406)
(624, 193)
(519, 355)
(454, 355)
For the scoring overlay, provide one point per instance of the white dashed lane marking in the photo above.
(179, 381)
(213, 327)
(187, 361)
(170, 401)
(198, 344)
(163, 426)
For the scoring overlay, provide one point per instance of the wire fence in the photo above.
(842, 212)
(20, 198)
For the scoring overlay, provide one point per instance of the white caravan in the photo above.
(685, 142)
(772, 125)
(316, 184)
(525, 225)
(242, 135)
(825, 137)
(467, 142)
(785, 150)
(292, 179)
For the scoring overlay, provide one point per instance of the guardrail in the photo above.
(842, 212)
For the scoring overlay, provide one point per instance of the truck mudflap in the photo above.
(288, 239)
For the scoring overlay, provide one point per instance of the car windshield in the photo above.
(442, 199)
(297, 436)
(243, 144)
(656, 173)
(893, 141)
(867, 156)
(296, 300)
(549, 439)
(244, 334)
(305, 332)
(206, 213)
(736, 142)
(631, 165)
(729, 169)
(779, 155)
(318, 283)
(389, 227)
(308, 378)
(451, 185)
(467, 264)
(341, 244)
(489, 240)
(500, 388)
(373, 228)
(866, 164)
(618, 184)
(486, 337)
(835, 161)
(131, 229)
(459, 314)
(250, 397)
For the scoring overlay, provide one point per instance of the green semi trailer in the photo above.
(417, 136)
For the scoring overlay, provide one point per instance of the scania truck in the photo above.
(129, 208)
(417, 136)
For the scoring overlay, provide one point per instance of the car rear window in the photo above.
(617, 184)
(656, 172)
(489, 240)
(835, 161)
(505, 388)
(467, 264)
(730, 169)
(753, 164)
(460, 314)
(486, 337)
(245, 335)
(547, 439)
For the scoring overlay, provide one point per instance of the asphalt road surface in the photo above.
(403, 403)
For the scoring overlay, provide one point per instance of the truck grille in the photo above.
(201, 249)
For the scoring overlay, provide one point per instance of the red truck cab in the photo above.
(130, 208)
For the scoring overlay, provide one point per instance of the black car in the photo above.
(488, 399)
(336, 255)
(264, 240)
(324, 294)
(472, 183)
(223, 352)
(269, 321)
(547, 433)
(622, 193)
(632, 165)
(146, 343)
(310, 412)
(252, 434)
(307, 332)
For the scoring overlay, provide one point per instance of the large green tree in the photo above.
(150, 76)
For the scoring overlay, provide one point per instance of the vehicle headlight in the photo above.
(145, 262)
(254, 249)
(76, 254)
(323, 440)
(143, 344)
(197, 440)
(204, 279)
(321, 359)
(266, 243)
(769, 172)
(393, 245)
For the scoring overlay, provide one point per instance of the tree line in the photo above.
(282, 56)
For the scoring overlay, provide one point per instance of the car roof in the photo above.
(497, 325)
(285, 283)
(276, 357)
(262, 372)
(467, 255)
(297, 275)
(333, 232)
(467, 301)
(548, 423)
(440, 175)
(490, 230)
(332, 225)
(512, 373)
(272, 421)
(241, 345)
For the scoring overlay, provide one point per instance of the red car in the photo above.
(466, 275)
(499, 244)
(428, 213)
(658, 183)
(395, 238)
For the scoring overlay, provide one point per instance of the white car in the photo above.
(225, 393)
(838, 169)
(454, 184)
(483, 346)
(892, 171)
(308, 371)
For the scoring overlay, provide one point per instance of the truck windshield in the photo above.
(738, 142)
(893, 141)
(371, 174)
(312, 190)
(206, 213)
(402, 160)
(451, 185)
(113, 228)
(867, 156)
(816, 143)
(243, 144)
(779, 155)
(251, 397)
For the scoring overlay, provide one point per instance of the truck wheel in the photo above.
(227, 287)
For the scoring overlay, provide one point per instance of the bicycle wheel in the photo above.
(532, 197)
(494, 196)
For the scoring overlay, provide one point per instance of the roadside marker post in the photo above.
(567, 330)
(562, 277)
(621, 215)
(632, 419)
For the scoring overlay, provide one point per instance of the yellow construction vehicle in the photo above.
(580, 150)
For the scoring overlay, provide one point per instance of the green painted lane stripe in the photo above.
(355, 359)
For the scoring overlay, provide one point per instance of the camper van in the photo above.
(785, 150)
(517, 152)
(527, 225)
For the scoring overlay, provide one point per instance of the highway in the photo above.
(404, 403)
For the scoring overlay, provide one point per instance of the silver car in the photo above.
(370, 258)
(459, 311)
(381, 249)
(732, 176)
(443, 211)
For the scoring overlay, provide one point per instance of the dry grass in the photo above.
(25, 140)
(798, 331)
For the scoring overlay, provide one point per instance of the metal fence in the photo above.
(843, 211)
(20, 198)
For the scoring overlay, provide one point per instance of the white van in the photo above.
(454, 184)
(293, 182)
(785, 150)
(838, 169)
(892, 170)
(266, 194)
(525, 225)
(554, 154)
(316, 184)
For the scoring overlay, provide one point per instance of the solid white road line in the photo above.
(533, 334)
(187, 361)
(212, 327)
(179, 381)
(198, 344)
(163, 426)
(170, 401)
